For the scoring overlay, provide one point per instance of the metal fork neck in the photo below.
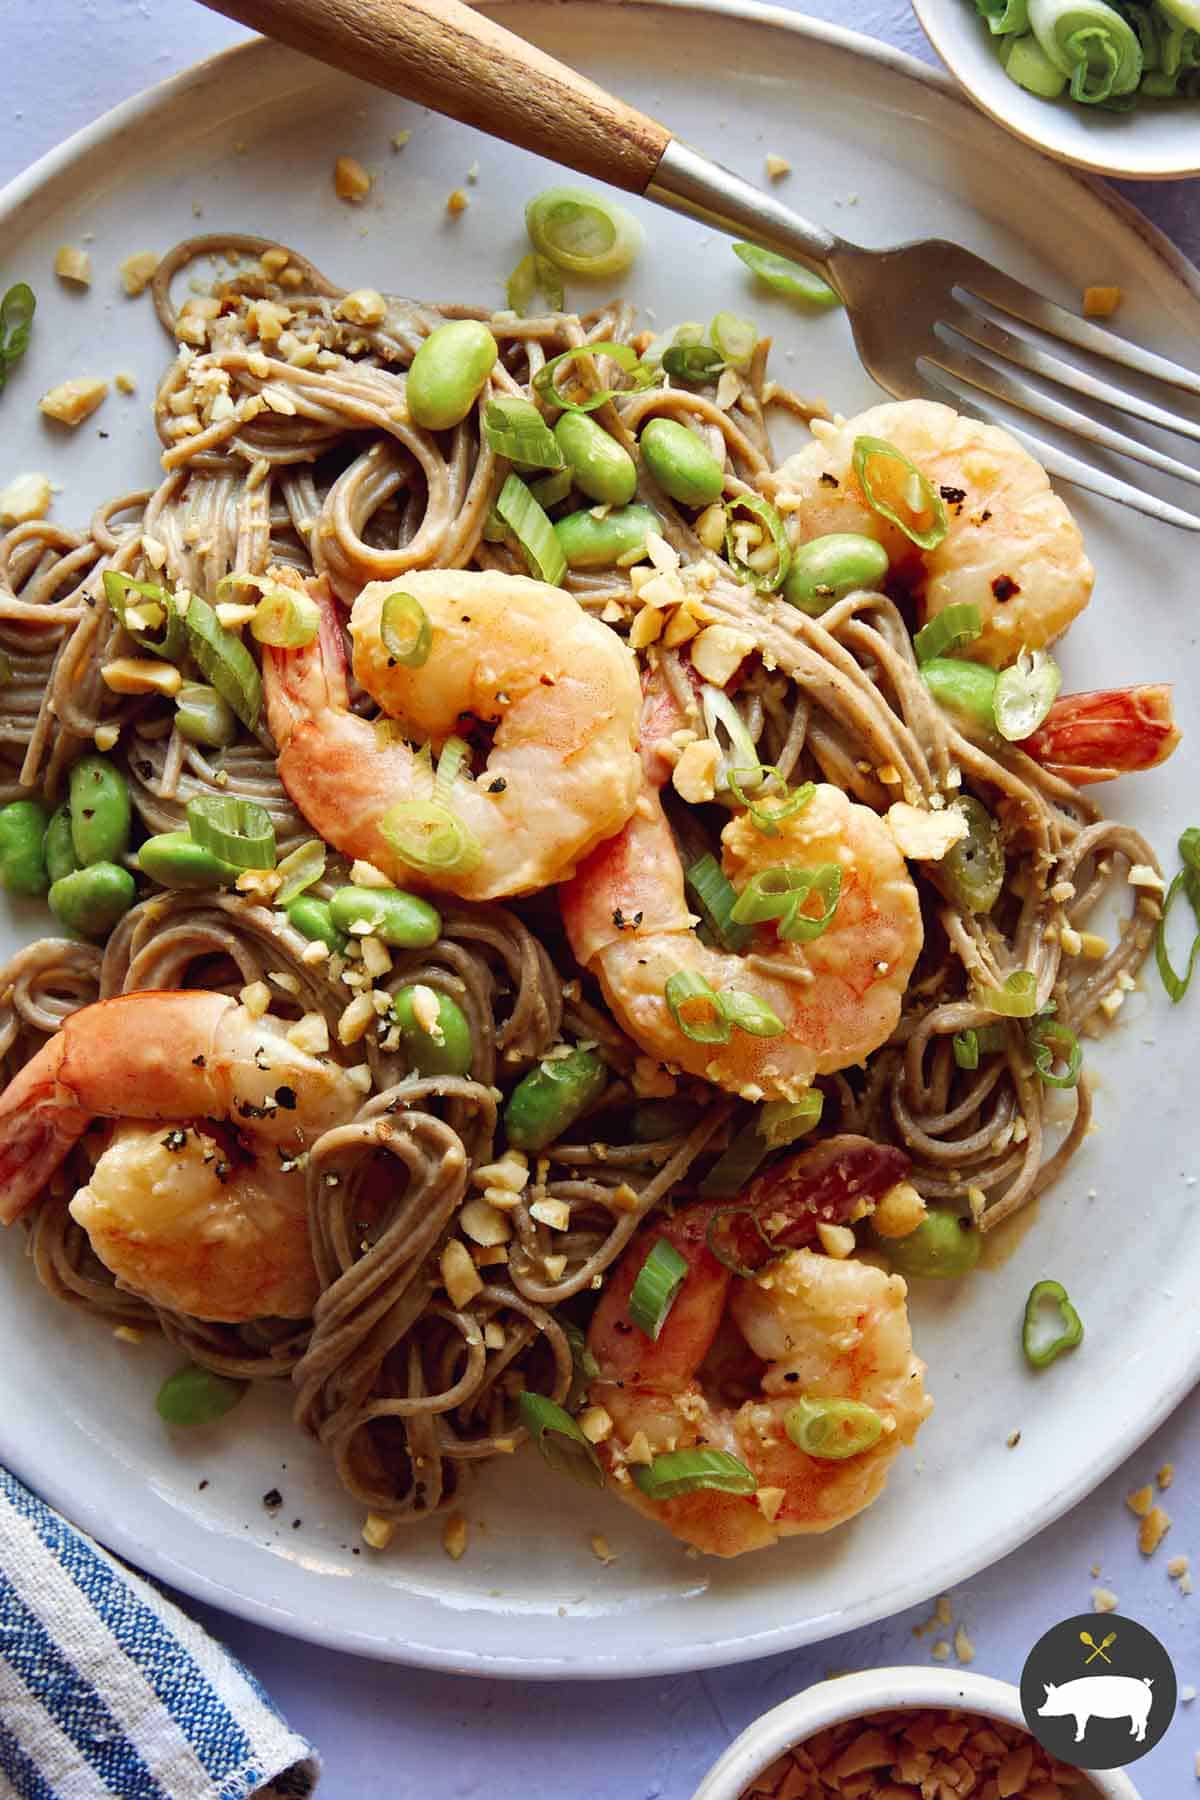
(691, 183)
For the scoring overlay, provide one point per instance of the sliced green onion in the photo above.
(224, 661)
(285, 619)
(774, 1126)
(715, 895)
(300, 868)
(790, 278)
(746, 1012)
(781, 893)
(167, 637)
(1040, 1355)
(516, 429)
(832, 1430)
(733, 339)
(587, 1369)
(405, 629)
(692, 362)
(456, 755)
(948, 630)
(547, 384)
(202, 717)
(239, 832)
(1054, 1043)
(705, 1021)
(1187, 881)
(767, 819)
(532, 276)
(980, 1040)
(532, 530)
(16, 322)
(584, 233)
(1025, 692)
(765, 513)
(1017, 999)
(781, 1122)
(685, 1471)
(657, 1287)
(721, 717)
(912, 497)
(559, 1439)
(547, 492)
(428, 836)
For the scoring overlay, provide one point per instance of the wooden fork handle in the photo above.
(457, 61)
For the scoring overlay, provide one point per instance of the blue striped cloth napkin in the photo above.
(108, 1692)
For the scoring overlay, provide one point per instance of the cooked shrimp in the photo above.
(559, 687)
(736, 1355)
(837, 997)
(209, 1216)
(1011, 546)
(1098, 736)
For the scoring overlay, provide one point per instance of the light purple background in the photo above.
(391, 1734)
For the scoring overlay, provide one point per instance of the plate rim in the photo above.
(928, 16)
(655, 1660)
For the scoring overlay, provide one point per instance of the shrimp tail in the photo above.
(1097, 736)
(40, 1123)
(302, 685)
(825, 1185)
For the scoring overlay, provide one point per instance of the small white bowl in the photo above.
(1157, 141)
(873, 1690)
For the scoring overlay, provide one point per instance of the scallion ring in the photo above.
(696, 1008)
(735, 1235)
(686, 1471)
(1055, 1048)
(224, 661)
(715, 896)
(775, 1125)
(533, 530)
(161, 630)
(428, 836)
(455, 757)
(1017, 999)
(948, 630)
(286, 619)
(832, 1430)
(896, 489)
(767, 819)
(781, 893)
(657, 1288)
(238, 832)
(734, 339)
(514, 428)
(1039, 1352)
(724, 724)
(692, 362)
(746, 1012)
(790, 278)
(559, 1439)
(300, 869)
(405, 629)
(583, 233)
(532, 276)
(981, 1040)
(1187, 882)
(765, 580)
(547, 381)
(1025, 692)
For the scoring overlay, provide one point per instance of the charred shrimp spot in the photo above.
(286, 1098)
(498, 786)
(829, 481)
(1005, 588)
(199, 1062)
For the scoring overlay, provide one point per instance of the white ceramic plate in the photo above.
(1158, 141)
(883, 151)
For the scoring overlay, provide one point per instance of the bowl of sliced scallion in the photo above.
(1110, 85)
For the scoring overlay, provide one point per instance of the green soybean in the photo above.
(398, 918)
(448, 372)
(682, 466)
(175, 860)
(828, 568)
(446, 1049)
(942, 1247)
(195, 1396)
(590, 543)
(101, 815)
(58, 847)
(202, 717)
(601, 468)
(22, 856)
(92, 900)
(551, 1097)
(313, 919)
(962, 687)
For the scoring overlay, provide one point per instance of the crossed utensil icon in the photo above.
(1085, 1637)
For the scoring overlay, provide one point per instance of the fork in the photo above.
(923, 314)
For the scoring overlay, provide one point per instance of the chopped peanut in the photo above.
(1100, 302)
(354, 1021)
(26, 497)
(71, 402)
(596, 1424)
(694, 775)
(710, 526)
(378, 1531)
(554, 1213)
(137, 272)
(485, 1224)
(256, 998)
(600, 1549)
(924, 836)
(457, 202)
(75, 265)
(1153, 1530)
(311, 1033)
(837, 1241)
(350, 180)
(1104, 1600)
(719, 651)
(777, 166)
(646, 628)
(769, 1501)
(1140, 1501)
(365, 306)
(454, 1537)
(141, 675)
(460, 1277)
(899, 1212)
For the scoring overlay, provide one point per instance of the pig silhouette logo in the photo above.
(1100, 1697)
(1098, 1701)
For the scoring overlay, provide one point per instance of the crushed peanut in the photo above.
(1165, 1476)
(1153, 1530)
(777, 166)
(378, 1531)
(454, 1537)
(837, 1241)
(137, 272)
(128, 1334)
(484, 1223)
(460, 1277)
(596, 1424)
(554, 1213)
(600, 1549)
(141, 675)
(310, 1033)
(74, 265)
(456, 202)
(694, 775)
(718, 652)
(365, 874)
(364, 306)
(71, 402)
(354, 1021)
(350, 180)
(1140, 1501)
(26, 497)
(924, 836)
(1104, 1600)
(899, 1212)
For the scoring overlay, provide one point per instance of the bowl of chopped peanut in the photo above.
(901, 1732)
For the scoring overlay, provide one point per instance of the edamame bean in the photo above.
(828, 568)
(398, 918)
(313, 919)
(196, 1396)
(98, 795)
(434, 1031)
(962, 687)
(22, 855)
(601, 468)
(590, 543)
(551, 1097)
(682, 466)
(202, 717)
(58, 847)
(175, 860)
(942, 1247)
(448, 372)
(971, 874)
(92, 900)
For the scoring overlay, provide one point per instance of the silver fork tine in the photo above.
(978, 373)
(1016, 349)
(1000, 290)
(1057, 462)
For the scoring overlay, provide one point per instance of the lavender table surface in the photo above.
(391, 1734)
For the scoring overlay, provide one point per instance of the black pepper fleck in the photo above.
(286, 1097)
(498, 786)
(272, 1499)
(828, 480)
